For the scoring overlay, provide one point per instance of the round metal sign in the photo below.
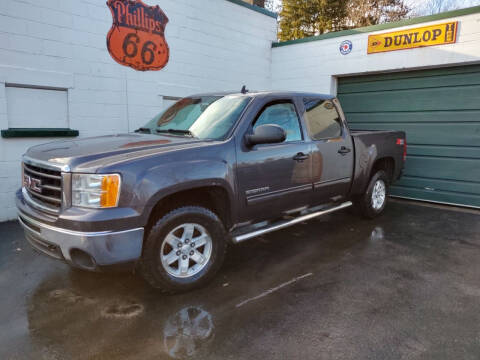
(346, 47)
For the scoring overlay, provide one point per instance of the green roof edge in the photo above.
(255, 8)
(367, 29)
(38, 132)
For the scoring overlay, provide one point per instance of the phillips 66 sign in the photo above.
(137, 38)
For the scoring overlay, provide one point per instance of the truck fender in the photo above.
(166, 179)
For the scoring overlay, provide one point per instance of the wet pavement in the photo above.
(405, 286)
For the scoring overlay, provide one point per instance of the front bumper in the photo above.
(87, 250)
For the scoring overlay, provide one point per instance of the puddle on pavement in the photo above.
(111, 315)
(71, 312)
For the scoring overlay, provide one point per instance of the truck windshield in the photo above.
(204, 117)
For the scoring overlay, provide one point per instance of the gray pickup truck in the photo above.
(212, 169)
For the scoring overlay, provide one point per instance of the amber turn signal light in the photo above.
(110, 191)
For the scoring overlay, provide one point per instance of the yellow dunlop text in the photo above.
(439, 34)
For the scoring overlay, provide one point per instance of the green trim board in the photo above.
(33, 132)
(440, 113)
(255, 8)
(391, 25)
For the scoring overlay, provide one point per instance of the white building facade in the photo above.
(57, 76)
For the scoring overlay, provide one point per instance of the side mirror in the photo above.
(266, 134)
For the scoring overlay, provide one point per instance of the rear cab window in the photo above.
(322, 119)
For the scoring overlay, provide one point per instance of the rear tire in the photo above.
(183, 250)
(372, 204)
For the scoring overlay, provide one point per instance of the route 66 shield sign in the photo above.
(137, 36)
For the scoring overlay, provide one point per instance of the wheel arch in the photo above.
(366, 168)
(387, 164)
(214, 197)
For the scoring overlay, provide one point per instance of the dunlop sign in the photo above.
(413, 38)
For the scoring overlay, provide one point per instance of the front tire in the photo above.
(372, 204)
(183, 250)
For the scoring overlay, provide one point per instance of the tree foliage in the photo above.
(273, 5)
(302, 18)
(372, 12)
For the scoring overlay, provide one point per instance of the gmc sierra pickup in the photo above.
(212, 169)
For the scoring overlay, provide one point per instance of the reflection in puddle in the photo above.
(125, 310)
(187, 331)
(377, 234)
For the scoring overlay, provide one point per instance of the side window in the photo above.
(283, 115)
(323, 121)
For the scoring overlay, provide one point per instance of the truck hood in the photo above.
(90, 153)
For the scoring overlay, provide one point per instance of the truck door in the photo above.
(274, 178)
(332, 153)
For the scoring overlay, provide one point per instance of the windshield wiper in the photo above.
(144, 130)
(176, 131)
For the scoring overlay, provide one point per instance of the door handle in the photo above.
(344, 150)
(300, 157)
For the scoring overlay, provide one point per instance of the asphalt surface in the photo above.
(405, 286)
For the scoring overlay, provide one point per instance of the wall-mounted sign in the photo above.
(137, 38)
(346, 47)
(438, 34)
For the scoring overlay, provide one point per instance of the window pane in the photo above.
(283, 115)
(205, 117)
(36, 108)
(219, 117)
(322, 119)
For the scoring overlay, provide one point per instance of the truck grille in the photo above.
(43, 187)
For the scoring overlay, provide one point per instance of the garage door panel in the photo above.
(433, 185)
(394, 76)
(414, 100)
(445, 151)
(414, 116)
(437, 196)
(439, 109)
(466, 134)
(413, 83)
(443, 168)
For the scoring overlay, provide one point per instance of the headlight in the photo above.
(95, 190)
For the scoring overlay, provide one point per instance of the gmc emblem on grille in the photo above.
(32, 183)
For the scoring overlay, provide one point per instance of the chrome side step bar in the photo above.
(284, 224)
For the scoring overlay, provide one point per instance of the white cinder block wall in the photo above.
(314, 66)
(214, 45)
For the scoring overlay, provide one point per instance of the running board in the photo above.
(286, 223)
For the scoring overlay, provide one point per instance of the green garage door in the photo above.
(439, 109)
